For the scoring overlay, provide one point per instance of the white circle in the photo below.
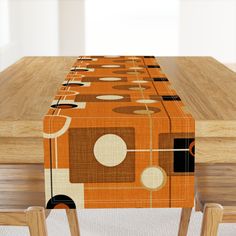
(133, 58)
(140, 81)
(137, 88)
(143, 112)
(153, 178)
(146, 101)
(110, 79)
(135, 68)
(110, 66)
(110, 56)
(110, 150)
(109, 97)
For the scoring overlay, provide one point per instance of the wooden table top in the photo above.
(206, 87)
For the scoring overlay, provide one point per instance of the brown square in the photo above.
(84, 168)
(166, 159)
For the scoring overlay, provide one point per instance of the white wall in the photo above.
(33, 26)
(71, 27)
(132, 27)
(170, 27)
(208, 27)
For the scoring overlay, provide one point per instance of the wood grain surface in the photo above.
(28, 87)
(215, 183)
(21, 186)
(206, 86)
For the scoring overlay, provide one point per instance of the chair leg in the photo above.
(212, 217)
(35, 217)
(184, 221)
(47, 213)
(73, 222)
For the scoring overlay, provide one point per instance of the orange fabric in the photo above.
(132, 95)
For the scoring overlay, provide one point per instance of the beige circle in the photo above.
(133, 58)
(109, 97)
(110, 150)
(110, 79)
(111, 56)
(140, 81)
(143, 112)
(153, 178)
(137, 88)
(135, 68)
(146, 101)
(110, 66)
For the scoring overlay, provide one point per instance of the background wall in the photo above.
(208, 27)
(132, 27)
(33, 30)
(74, 27)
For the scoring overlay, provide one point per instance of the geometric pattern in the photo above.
(117, 136)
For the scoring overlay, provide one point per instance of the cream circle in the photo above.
(135, 68)
(109, 97)
(143, 112)
(110, 66)
(146, 101)
(139, 81)
(110, 79)
(134, 58)
(137, 88)
(110, 56)
(110, 150)
(153, 178)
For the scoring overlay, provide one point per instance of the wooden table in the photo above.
(204, 85)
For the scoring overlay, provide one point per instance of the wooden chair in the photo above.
(35, 219)
(215, 196)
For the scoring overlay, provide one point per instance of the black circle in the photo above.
(73, 84)
(60, 199)
(64, 106)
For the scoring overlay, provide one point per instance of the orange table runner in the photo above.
(116, 135)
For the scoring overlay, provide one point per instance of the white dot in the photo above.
(111, 56)
(143, 112)
(110, 79)
(137, 88)
(140, 81)
(135, 58)
(110, 150)
(110, 66)
(136, 68)
(146, 101)
(153, 178)
(109, 97)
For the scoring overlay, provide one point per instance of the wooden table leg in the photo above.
(35, 218)
(184, 221)
(73, 222)
(212, 216)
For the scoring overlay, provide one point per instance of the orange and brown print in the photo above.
(117, 136)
